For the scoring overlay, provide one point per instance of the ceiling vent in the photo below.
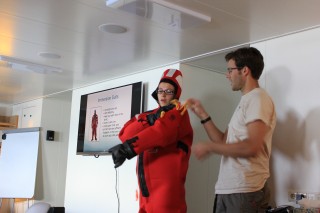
(163, 12)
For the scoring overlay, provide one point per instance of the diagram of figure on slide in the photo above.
(95, 124)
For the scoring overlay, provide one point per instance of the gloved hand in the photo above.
(151, 118)
(121, 152)
(118, 155)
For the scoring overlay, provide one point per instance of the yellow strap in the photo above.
(180, 107)
(162, 114)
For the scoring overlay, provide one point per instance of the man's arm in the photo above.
(214, 134)
(249, 147)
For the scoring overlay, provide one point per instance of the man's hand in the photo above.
(196, 107)
(201, 150)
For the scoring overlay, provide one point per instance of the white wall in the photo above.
(52, 159)
(292, 78)
(214, 91)
(5, 110)
(91, 182)
(29, 113)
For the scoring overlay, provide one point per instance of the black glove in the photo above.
(151, 118)
(121, 152)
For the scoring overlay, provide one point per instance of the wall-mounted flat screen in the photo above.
(103, 114)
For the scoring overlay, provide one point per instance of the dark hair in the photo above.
(250, 57)
(166, 80)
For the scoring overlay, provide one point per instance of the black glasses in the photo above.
(229, 69)
(167, 91)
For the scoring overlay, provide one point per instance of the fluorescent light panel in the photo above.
(18, 64)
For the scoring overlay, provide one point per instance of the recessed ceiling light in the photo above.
(49, 55)
(112, 28)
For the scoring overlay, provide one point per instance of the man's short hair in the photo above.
(250, 57)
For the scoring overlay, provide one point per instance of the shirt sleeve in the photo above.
(259, 107)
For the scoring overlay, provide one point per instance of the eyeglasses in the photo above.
(167, 91)
(230, 69)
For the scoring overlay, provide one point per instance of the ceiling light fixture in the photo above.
(49, 55)
(112, 28)
(21, 65)
(184, 10)
(175, 16)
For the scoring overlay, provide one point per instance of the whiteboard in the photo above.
(18, 163)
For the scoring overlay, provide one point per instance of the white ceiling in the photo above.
(70, 28)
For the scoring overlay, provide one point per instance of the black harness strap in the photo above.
(183, 146)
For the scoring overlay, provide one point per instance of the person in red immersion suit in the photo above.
(94, 125)
(162, 139)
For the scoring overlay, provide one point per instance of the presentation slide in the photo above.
(107, 112)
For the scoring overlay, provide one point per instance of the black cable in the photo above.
(117, 190)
